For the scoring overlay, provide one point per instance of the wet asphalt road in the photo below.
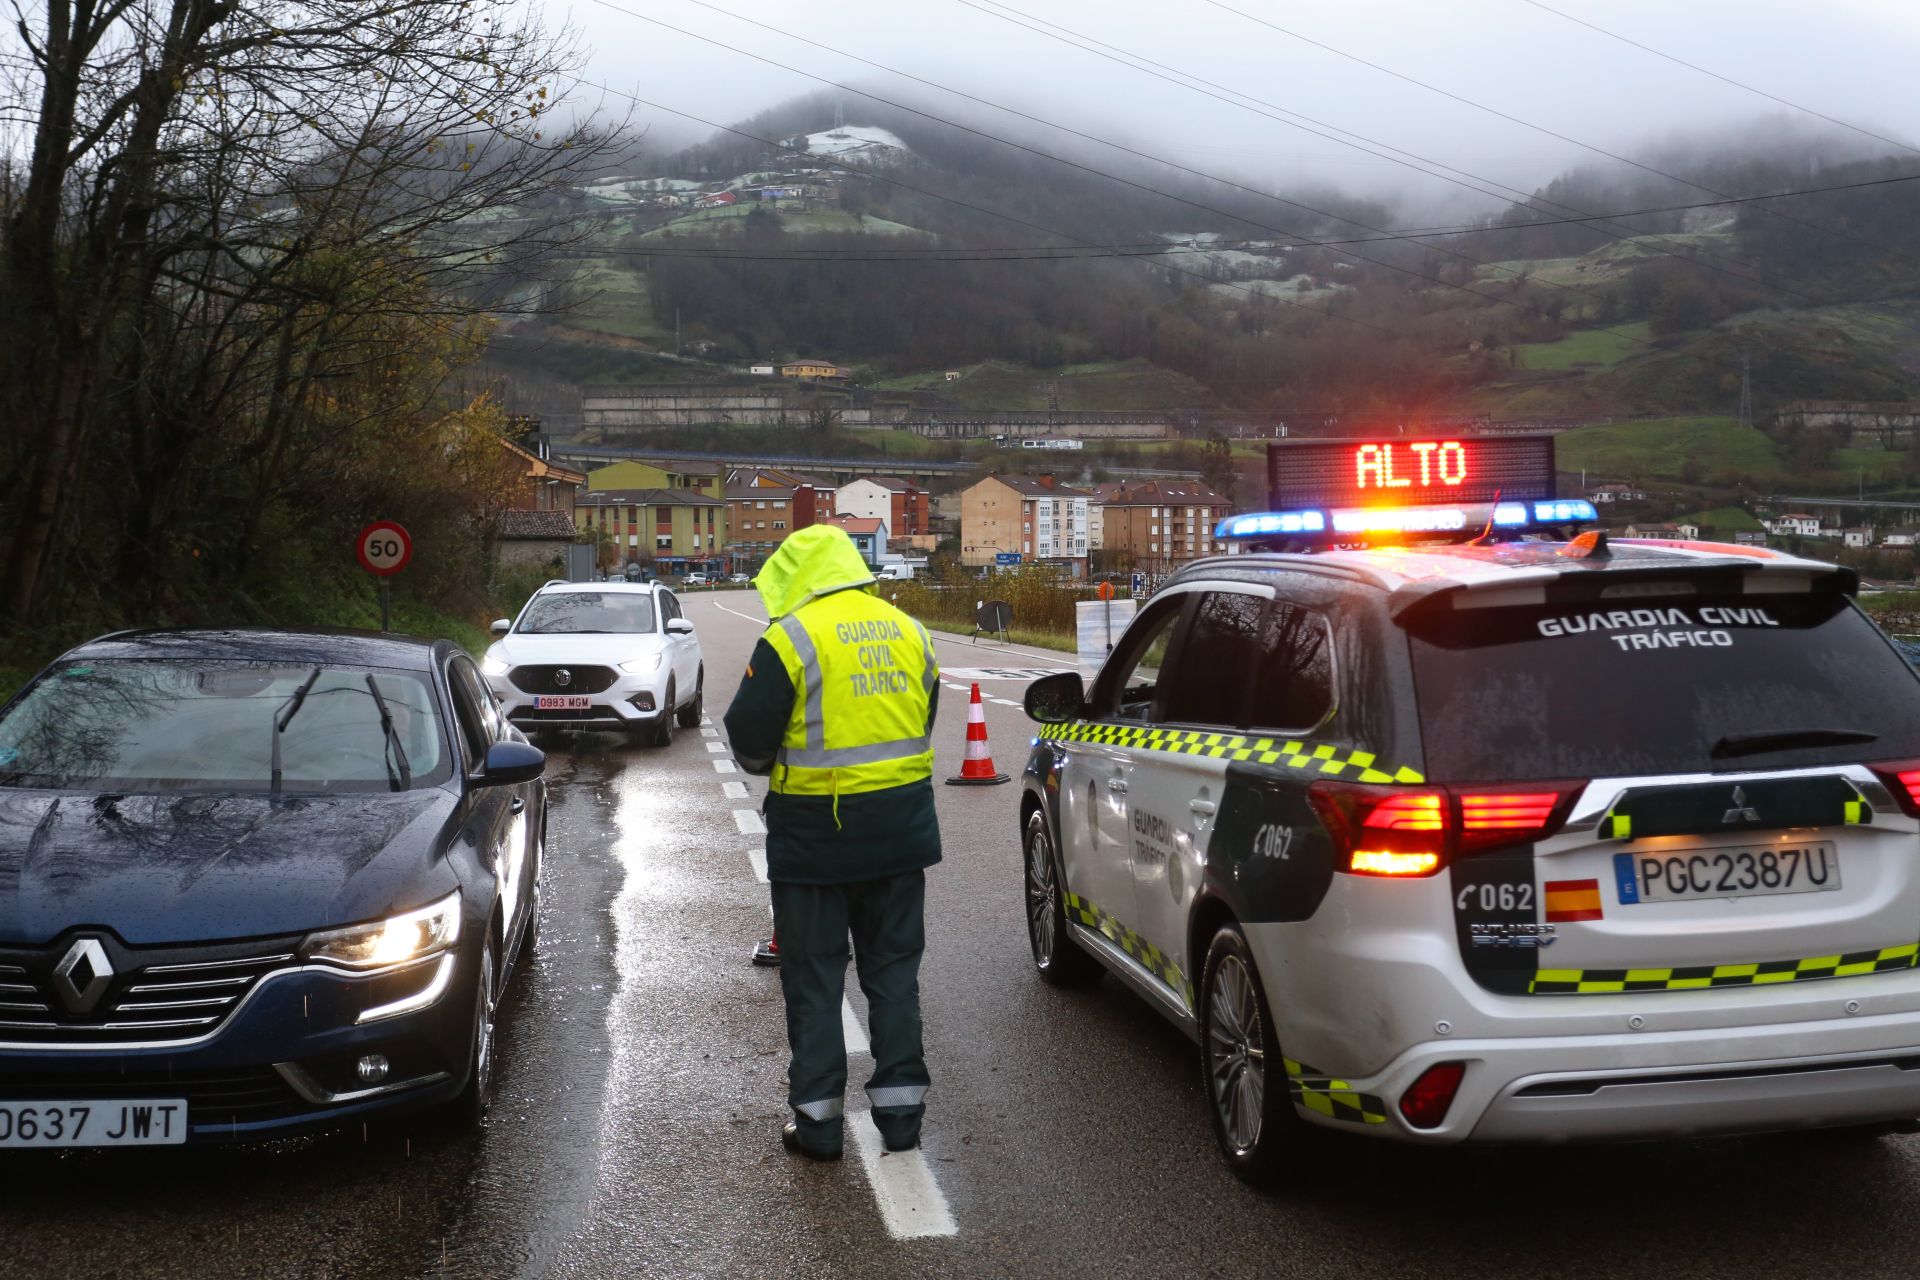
(642, 1083)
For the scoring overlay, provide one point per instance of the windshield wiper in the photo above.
(405, 779)
(284, 716)
(1753, 744)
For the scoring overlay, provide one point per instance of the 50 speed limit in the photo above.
(383, 548)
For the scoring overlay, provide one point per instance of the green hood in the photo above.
(813, 561)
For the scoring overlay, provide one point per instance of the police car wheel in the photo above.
(1056, 956)
(1253, 1119)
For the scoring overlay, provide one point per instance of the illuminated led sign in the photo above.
(1409, 471)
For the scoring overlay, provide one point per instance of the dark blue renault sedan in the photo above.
(255, 882)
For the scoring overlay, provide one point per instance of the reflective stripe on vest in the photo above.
(897, 1095)
(849, 658)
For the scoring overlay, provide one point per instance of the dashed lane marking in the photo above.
(723, 766)
(734, 790)
(910, 1201)
(758, 857)
(716, 747)
(709, 732)
(850, 1029)
(1003, 702)
(749, 822)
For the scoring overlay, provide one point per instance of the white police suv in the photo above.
(1430, 827)
(615, 656)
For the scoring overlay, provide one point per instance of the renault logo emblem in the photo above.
(562, 677)
(1741, 811)
(82, 975)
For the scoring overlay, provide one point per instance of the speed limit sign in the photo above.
(384, 548)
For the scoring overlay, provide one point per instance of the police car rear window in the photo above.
(1652, 685)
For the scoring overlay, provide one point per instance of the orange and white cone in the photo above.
(977, 770)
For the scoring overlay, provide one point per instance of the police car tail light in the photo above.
(1426, 1102)
(1902, 779)
(1492, 818)
(1384, 830)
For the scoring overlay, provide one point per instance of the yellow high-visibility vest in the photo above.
(863, 674)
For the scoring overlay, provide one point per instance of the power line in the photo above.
(993, 213)
(1537, 128)
(1112, 177)
(1738, 84)
(1693, 254)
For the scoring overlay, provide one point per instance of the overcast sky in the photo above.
(1853, 59)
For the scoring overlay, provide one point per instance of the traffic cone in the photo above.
(977, 770)
(767, 954)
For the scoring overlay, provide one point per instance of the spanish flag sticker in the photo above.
(1572, 900)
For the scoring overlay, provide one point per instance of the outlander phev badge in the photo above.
(1741, 811)
(82, 975)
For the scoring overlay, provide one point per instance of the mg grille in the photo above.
(579, 679)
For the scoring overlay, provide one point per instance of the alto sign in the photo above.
(1409, 471)
(383, 548)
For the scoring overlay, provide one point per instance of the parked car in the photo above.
(258, 882)
(589, 655)
(696, 580)
(742, 579)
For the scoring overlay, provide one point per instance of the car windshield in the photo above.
(1659, 685)
(193, 726)
(588, 612)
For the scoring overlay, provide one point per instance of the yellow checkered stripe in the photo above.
(1320, 1093)
(1158, 963)
(1604, 981)
(1619, 826)
(1319, 758)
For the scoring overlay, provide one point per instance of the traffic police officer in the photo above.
(836, 710)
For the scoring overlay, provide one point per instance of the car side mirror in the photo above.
(1057, 698)
(511, 762)
(501, 626)
(679, 627)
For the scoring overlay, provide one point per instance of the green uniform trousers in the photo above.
(886, 920)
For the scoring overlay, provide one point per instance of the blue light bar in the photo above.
(1267, 524)
(1564, 511)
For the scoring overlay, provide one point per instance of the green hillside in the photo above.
(1108, 385)
(1669, 448)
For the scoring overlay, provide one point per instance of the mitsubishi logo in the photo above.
(562, 677)
(82, 975)
(1741, 811)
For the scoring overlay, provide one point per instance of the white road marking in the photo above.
(749, 822)
(734, 790)
(758, 857)
(856, 1035)
(957, 688)
(709, 732)
(736, 613)
(997, 673)
(1003, 702)
(723, 766)
(977, 648)
(910, 1201)
(716, 747)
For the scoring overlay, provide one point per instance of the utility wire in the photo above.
(1537, 128)
(993, 213)
(1738, 84)
(1695, 255)
(1493, 298)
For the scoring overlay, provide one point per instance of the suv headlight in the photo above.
(493, 666)
(641, 666)
(395, 940)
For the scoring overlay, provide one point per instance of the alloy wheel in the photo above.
(1040, 896)
(1236, 1053)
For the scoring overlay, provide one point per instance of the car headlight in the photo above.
(493, 666)
(640, 666)
(395, 940)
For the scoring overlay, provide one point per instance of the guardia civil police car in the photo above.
(1441, 823)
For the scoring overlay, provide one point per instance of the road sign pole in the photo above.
(386, 613)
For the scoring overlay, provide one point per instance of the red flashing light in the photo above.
(1426, 1102)
(1389, 862)
(1408, 811)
